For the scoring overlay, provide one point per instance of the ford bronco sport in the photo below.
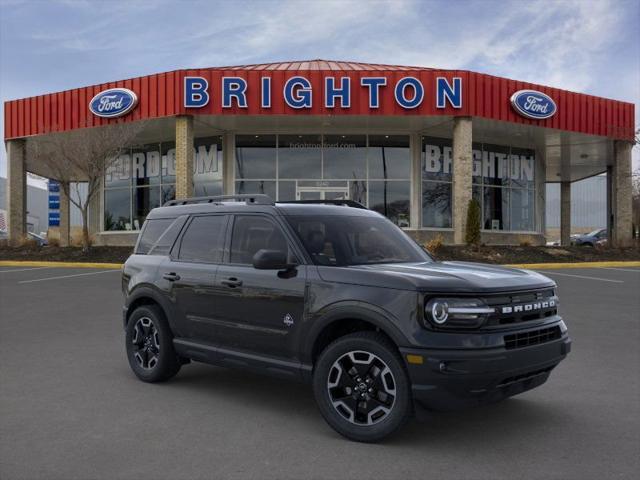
(335, 295)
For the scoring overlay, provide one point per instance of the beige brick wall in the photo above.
(64, 231)
(462, 175)
(622, 193)
(16, 191)
(184, 156)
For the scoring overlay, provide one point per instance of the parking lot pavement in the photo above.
(71, 408)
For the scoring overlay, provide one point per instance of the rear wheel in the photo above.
(361, 387)
(150, 345)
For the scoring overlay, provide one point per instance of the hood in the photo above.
(450, 277)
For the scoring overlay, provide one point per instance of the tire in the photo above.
(371, 402)
(149, 344)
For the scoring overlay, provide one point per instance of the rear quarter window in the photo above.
(158, 236)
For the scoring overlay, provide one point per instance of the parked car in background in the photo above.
(590, 239)
(39, 239)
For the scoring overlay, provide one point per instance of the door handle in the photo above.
(232, 282)
(171, 276)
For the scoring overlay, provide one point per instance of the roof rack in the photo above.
(258, 199)
(345, 203)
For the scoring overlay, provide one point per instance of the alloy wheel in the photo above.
(361, 387)
(146, 343)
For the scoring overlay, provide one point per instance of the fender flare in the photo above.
(148, 291)
(366, 312)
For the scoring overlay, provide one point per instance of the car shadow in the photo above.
(503, 422)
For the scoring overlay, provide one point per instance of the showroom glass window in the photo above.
(373, 170)
(143, 178)
(389, 164)
(437, 175)
(503, 184)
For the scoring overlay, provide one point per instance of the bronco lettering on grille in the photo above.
(529, 307)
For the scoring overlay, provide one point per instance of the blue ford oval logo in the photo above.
(114, 102)
(533, 104)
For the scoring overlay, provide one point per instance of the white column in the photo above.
(565, 213)
(416, 180)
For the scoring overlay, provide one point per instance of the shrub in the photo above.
(435, 244)
(472, 234)
(28, 243)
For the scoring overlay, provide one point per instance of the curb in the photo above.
(532, 266)
(29, 263)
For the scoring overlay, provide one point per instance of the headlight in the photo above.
(457, 312)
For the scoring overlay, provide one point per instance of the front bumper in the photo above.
(449, 379)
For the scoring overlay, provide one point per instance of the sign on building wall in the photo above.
(152, 162)
(486, 163)
(54, 203)
(113, 103)
(298, 92)
(533, 104)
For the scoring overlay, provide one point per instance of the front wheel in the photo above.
(150, 345)
(361, 387)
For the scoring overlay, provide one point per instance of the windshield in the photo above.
(342, 240)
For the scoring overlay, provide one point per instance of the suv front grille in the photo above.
(534, 337)
(521, 307)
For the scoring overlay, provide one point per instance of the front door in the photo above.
(257, 310)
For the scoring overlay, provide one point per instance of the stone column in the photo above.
(65, 216)
(621, 183)
(184, 156)
(416, 180)
(462, 175)
(228, 163)
(565, 213)
(16, 191)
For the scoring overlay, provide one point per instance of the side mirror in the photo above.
(271, 260)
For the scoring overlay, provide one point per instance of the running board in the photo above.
(201, 352)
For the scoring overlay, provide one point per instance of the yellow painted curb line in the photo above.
(29, 263)
(542, 266)
(532, 266)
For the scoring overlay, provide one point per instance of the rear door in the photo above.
(258, 310)
(190, 274)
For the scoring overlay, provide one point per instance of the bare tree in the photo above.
(82, 156)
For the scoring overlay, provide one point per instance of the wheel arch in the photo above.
(347, 319)
(146, 296)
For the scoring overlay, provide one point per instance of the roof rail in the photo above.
(257, 199)
(345, 203)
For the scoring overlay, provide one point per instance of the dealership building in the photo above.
(415, 144)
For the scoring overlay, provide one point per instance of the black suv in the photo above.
(338, 296)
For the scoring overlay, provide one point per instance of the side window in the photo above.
(253, 233)
(319, 243)
(152, 231)
(167, 239)
(204, 239)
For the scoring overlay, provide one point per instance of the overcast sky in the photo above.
(582, 45)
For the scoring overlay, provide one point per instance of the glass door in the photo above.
(322, 193)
